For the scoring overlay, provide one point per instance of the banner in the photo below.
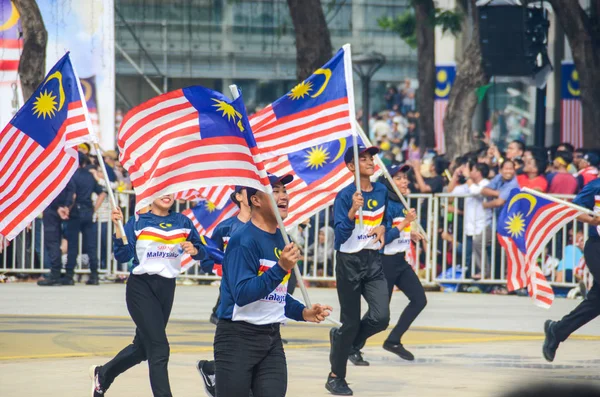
(444, 79)
(84, 27)
(571, 130)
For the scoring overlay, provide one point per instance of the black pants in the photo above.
(249, 358)
(149, 301)
(399, 273)
(358, 274)
(589, 309)
(84, 223)
(52, 236)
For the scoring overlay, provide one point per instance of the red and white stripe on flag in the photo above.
(31, 176)
(218, 195)
(10, 54)
(572, 122)
(439, 110)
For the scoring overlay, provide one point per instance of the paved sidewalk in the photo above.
(466, 345)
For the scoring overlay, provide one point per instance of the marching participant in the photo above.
(156, 243)
(558, 331)
(221, 236)
(398, 272)
(248, 350)
(359, 269)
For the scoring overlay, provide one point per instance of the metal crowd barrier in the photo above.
(442, 259)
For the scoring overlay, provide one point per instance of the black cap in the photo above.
(591, 158)
(235, 191)
(349, 156)
(394, 169)
(273, 179)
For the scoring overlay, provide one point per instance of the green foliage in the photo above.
(405, 24)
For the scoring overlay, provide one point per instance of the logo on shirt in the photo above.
(371, 203)
(277, 252)
(165, 225)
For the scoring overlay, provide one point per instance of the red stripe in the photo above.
(13, 44)
(341, 115)
(196, 177)
(11, 141)
(163, 236)
(547, 229)
(73, 135)
(545, 300)
(16, 150)
(9, 65)
(304, 139)
(145, 106)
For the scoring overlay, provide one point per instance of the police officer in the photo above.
(52, 219)
(81, 220)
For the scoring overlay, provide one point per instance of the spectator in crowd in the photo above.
(567, 147)
(381, 129)
(428, 175)
(561, 181)
(515, 150)
(500, 186)
(577, 156)
(532, 176)
(81, 220)
(323, 254)
(408, 102)
(588, 170)
(389, 96)
(571, 256)
(110, 158)
(477, 219)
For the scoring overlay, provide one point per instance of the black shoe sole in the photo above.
(360, 363)
(330, 390)
(404, 357)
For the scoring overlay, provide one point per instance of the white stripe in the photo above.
(10, 54)
(161, 232)
(259, 117)
(161, 105)
(269, 151)
(545, 233)
(23, 142)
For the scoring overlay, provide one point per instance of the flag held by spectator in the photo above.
(526, 224)
(11, 42)
(187, 139)
(317, 110)
(37, 148)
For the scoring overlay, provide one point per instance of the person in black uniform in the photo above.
(53, 217)
(81, 220)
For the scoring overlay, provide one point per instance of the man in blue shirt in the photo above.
(558, 331)
(359, 270)
(248, 349)
(500, 186)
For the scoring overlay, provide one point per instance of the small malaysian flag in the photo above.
(89, 92)
(187, 139)
(37, 148)
(572, 119)
(526, 224)
(444, 79)
(11, 43)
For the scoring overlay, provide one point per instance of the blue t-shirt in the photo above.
(220, 236)
(504, 187)
(349, 237)
(254, 286)
(589, 198)
(396, 241)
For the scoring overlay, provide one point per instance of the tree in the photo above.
(458, 121)
(313, 42)
(583, 33)
(32, 65)
(417, 29)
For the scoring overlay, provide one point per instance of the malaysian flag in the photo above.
(89, 92)
(572, 120)
(317, 110)
(37, 148)
(186, 139)
(10, 40)
(444, 78)
(205, 216)
(526, 224)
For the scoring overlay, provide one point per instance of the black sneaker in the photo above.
(356, 358)
(213, 318)
(550, 343)
(67, 280)
(338, 386)
(49, 281)
(399, 350)
(332, 335)
(97, 390)
(208, 376)
(93, 280)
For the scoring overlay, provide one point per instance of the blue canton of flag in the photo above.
(37, 155)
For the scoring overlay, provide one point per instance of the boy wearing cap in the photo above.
(398, 235)
(221, 236)
(359, 270)
(248, 349)
(558, 331)
(587, 169)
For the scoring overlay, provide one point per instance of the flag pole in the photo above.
(235, 92)
(387, 176)
(352, 113)
(88, 123)
(560, 201)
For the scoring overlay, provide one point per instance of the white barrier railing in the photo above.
(445, 258)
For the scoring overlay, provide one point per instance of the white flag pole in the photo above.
(387, 176)
(235, 92)
(88, 123)
(352, 112)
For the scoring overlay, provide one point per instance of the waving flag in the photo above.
(318, 110)
(10, 39)
(89, 92)
(444, 78)
(37, 155)
(572, 119)
(526, 225)
(187, 139)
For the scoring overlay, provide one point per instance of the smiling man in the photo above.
(248, 349)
